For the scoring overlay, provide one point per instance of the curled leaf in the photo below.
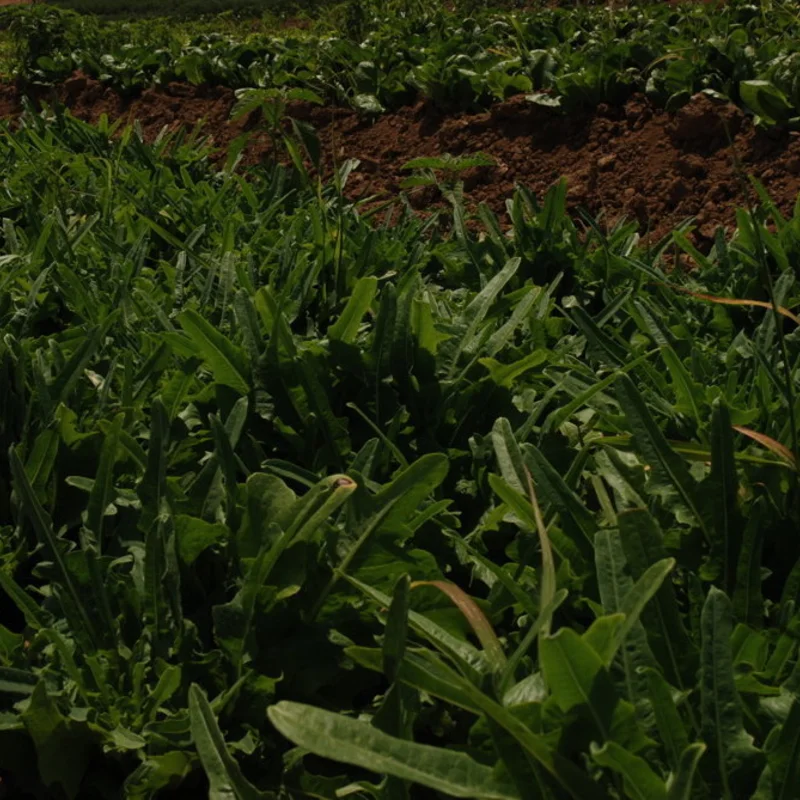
(733, 301)
(771, 444)
(476, 618)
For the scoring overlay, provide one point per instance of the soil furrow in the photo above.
(633, 161)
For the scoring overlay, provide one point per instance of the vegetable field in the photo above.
(399, 402)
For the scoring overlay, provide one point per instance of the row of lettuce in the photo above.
(380, 57)
(241, 414)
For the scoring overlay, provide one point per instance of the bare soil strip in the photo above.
(633, 161)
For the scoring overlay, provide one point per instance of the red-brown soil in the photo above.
(634, 161)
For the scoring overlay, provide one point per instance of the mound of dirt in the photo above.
(634, 160)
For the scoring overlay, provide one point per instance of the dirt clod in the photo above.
(705, 118)
(606, 163)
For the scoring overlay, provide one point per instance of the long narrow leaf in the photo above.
(669, 470)
(226, 361)
(721, 708)
(640, 782)
(615, 584)
(225, 778)
(342, 739)
(682, 781)
(43, 526)
(723, 485)
(103, 487)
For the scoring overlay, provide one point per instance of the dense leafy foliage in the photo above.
(185, 9)
(503, 515)
(379, 55)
